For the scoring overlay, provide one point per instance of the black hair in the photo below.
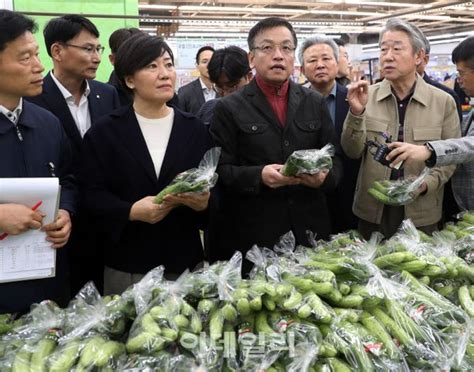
(231, 61)
(266, 24)
(137, 52)
(119, 36)
(464, 52)
(14, 25)
(65, 28)
(203, 49)
(339, 42)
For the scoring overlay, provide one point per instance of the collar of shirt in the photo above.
(208, 93)
(273, 92)
(66, 94)
(14, 115)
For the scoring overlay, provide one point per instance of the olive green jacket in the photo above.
(431, 115)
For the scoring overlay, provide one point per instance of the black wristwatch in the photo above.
(431, 161)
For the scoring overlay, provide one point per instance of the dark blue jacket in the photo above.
(340, 202)
(117, 171)
(43, 141)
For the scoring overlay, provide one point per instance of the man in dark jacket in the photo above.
(319, 58)
(71, 93)
(258, 128)
(30, 138)
(193, 95)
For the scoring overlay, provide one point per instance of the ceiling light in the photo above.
(233, 9)
(156, 7)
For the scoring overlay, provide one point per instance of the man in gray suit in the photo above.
(451, 151)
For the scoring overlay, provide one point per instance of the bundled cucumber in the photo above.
(194, 180)
(308, 161)
(398, 192)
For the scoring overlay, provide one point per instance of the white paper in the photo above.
(29, 255)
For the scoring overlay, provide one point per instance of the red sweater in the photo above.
(277, 97)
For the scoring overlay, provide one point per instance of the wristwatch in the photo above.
(431, 161)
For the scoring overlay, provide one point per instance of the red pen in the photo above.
(35, 207)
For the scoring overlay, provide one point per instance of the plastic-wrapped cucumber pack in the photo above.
(403, 304)
(195, 180)
(308, 161)
(398, 192)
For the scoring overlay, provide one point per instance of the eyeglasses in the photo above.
(461, 74)
(287, 49)
(88, 49)
(226, 87)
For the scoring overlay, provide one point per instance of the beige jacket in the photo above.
(431, 115)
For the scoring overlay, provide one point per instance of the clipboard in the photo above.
(28, 255)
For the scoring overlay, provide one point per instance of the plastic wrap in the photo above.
(89, 313)
(142, 293)
(308, 161)
(159, 325)
(195, 180)
(431, 331)
(34, 339)
(398, 192)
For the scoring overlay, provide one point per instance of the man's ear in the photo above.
(112, 58)
(56, 52)
(251, 57)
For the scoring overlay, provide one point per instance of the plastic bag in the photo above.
(34, 338)
(398, 192)
(159, 325)
(200, 179)
(308, 161)
(89, 313)
(142, 293)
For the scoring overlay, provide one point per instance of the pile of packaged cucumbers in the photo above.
(403, 304)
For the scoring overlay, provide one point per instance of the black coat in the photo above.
(117, 171)
(44, 141)
(191, 97)
(248, 131)
(341, 200)
(84, 247)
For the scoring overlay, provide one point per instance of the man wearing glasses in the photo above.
(70, 93)
(258, 128)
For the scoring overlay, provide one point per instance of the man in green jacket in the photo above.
(408, 109)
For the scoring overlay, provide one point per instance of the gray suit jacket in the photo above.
(460, 151)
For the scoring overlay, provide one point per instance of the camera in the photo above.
(380, 151)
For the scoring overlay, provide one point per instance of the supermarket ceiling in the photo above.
(358, 20)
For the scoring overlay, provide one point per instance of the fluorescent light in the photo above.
(210, 34)
(447, 41)
(382, 3)
(233, 9)
(343, 12)
(156, 7)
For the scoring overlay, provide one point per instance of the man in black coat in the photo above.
(70, 93)
(193, 95)
(319, 58)
(258, 128)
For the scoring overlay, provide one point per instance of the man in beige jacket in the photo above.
(408, 109)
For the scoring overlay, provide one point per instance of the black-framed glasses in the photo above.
(89, 49)
(271, 48)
